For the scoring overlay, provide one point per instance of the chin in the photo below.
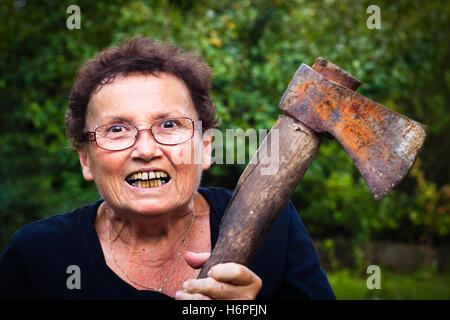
(152, 206)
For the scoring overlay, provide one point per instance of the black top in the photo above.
(44, 259)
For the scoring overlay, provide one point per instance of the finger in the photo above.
(181, 295)
(196, 260)
(211, 288)
(233, 273)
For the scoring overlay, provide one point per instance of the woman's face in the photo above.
(141, 100)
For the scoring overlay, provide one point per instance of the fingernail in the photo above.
(178, 294)
(209, 273)
(185, 285)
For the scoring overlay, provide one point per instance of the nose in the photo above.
(146, 147)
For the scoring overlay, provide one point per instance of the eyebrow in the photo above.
(159, 116)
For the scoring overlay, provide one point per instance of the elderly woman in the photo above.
(138, 113)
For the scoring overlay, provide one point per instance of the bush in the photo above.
(253, 51)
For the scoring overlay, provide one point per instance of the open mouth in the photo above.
(148, 179)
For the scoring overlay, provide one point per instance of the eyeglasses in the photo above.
(120, 136)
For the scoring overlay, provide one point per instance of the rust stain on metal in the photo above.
(382, 144)
(332, 72)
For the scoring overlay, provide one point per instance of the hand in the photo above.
(225, 281)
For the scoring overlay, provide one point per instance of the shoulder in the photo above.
(49, 230)
(218, 199)
(216, 194)
(36, 260)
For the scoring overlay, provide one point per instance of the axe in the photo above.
(319, 101)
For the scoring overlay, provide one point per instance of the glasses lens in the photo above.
(173, 131)
(115, 136)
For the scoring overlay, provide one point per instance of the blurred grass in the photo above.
(419, 285)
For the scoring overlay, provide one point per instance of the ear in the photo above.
(85, 162)
(207, 137)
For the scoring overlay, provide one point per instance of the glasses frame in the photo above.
(92, 135)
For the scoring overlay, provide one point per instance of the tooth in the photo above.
(152, 175)
(144, 175)
(158, 174)
(159, 183)
(139, 175)
(165, 175)
(139, 184)
(152, 184)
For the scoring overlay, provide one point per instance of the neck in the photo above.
(143, 232)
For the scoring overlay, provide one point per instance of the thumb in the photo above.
(196, 260)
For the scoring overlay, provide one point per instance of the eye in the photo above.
(117, 128)
(169, 124)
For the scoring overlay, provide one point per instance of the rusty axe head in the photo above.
(382, 144)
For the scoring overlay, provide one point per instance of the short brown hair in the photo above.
(138, 55)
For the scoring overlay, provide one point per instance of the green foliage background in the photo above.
(253, 48)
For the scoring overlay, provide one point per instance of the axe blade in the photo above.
(382, 144)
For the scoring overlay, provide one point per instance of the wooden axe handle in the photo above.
(261, 194)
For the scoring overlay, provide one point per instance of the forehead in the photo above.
(141, 99)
